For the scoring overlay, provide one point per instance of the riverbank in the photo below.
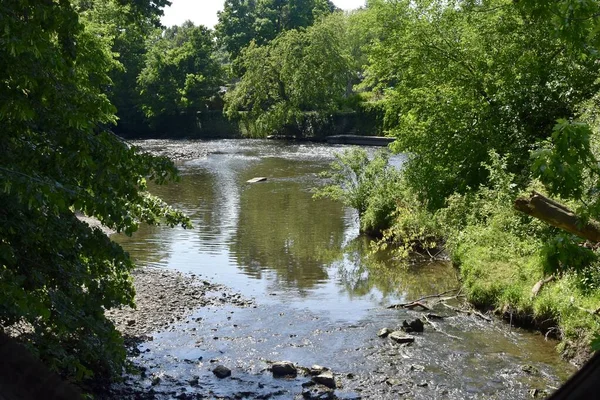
(318, 299)
(185, 327)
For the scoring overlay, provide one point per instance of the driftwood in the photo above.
(468, 312)
(558, 215)
(434, 326)
(419, 302)
(538, 286)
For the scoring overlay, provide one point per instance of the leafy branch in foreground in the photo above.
(58, 275)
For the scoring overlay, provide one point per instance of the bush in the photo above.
(370, 186)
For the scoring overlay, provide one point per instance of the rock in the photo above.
(384, 332)
(326, 378)
(530, 369)
(401, 337)
(413, 326)
(195, 381)
(318, 394)
(317, 370)
(283, 369)
(221, 371)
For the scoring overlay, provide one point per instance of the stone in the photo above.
(401, 337)
(318, 394)
(384, 332)
(413, 326)
(317, 370)
(283, 369)
(326, 378)
(221, 371)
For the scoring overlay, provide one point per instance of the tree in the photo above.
(300, 74)
(244, 21)
(181, 74)
(128, 33)
(58, 275)
(463, 78)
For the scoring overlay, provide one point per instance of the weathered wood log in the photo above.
(538, 286)
(558, 215)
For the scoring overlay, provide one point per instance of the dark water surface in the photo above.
(321, 298)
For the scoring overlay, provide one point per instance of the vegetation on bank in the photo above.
(488, 99)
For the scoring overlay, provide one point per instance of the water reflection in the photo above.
(274, 233)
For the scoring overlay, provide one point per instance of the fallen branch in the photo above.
(538, 286)
(468, 312)
(412, 304)
(587, 310)
(439, 330)
(558, 215)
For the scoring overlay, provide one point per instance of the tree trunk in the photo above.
(556, 214)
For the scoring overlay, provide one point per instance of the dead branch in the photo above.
(558, 215)
(418, 302)
(468, 312)
(434, 326)
(538, 286)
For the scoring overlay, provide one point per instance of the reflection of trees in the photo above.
(144, 252)
(362, 272)
(282, 229)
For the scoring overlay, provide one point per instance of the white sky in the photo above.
(204, 12)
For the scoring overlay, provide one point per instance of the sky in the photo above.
(204, 12)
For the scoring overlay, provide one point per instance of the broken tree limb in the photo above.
(468, 312)
(411, 305)
(418, 302)
(558, 215)
(538, 286)
(434, 326)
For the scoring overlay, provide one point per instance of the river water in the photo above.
(320, 296)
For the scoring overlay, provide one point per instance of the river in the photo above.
(320, 296)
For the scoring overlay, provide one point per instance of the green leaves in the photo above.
(302, 74)
(564, 161)
(58, 275)
(180, 73)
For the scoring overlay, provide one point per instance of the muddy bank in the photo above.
(165, 297)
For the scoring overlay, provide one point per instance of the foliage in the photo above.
(367, 185)
(58, 275)
(180, 73)
(462, 78)
(300, 74)
(244, 21)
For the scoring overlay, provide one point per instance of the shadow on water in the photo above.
(321, 296)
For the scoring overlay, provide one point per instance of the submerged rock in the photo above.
(221, 371)
(401, 337)
(317, 370)
(284, 369)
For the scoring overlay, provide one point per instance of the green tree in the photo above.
(58, 275)
(129, 33)
(463, 78)
(244, 21)
(300, 75)
(181, 74)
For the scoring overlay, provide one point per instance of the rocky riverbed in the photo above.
(192, 339)
(264, 313)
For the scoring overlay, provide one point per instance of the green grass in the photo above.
(499, 269)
